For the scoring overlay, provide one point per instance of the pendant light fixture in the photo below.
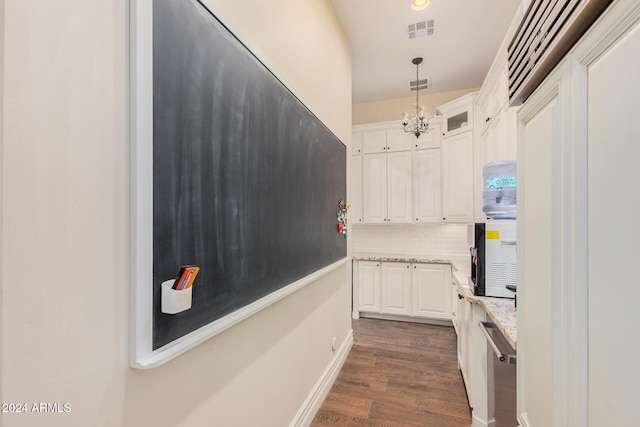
(417, 124)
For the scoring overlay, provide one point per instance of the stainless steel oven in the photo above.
(501, 377)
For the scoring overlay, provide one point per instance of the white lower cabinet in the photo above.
(369, 286)
(416, 290)
(464, 319)
(396, 288)
(431, 296)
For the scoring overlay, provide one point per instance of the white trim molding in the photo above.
(316, 397)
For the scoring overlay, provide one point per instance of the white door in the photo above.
(396, 287)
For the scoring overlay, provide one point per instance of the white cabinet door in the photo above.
(374, 188)
(454, 307)
(399, 140)
(457, 115)
(374, 141)
(396, 288)
(369, 286)
(431, 139)
(399, 187)
(427, 197)
(457, 178)
(431, 291)
(464, 317)
(356, 143)
(354, 199)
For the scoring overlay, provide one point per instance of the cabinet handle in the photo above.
(487, 119)
(407, 266)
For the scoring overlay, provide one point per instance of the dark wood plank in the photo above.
(398, 374)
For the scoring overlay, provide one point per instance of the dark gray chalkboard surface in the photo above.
(246, 180)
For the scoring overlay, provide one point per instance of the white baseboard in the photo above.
(476, 422)
(312, 403)
(523, 420)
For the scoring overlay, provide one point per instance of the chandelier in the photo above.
(417, 124)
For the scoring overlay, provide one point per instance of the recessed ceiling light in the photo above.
(419, 4)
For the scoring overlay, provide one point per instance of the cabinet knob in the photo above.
(407, 266)
(460, 296)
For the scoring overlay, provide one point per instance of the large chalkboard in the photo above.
(246, 180)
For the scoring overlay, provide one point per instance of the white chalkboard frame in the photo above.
(142, 355)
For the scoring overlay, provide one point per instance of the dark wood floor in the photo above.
(398, 374)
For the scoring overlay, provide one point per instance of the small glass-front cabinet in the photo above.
(457, 115)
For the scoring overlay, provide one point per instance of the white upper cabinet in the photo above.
(374, 188)
(457, 178)
(457, 115)
(399, 187)
(399, 140)
(355, 190)
(427, 196)
(384, 138)
(431, 139)
(386, 178)
(356, 143)
(374, 141)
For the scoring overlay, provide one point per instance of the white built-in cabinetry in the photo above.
(395, 177)
(354, 198)
(411, 290)
(457, 159)
(427, 190)
(385, 180)
(495, 125)
(578, 204)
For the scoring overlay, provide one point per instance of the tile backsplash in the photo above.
(436, 241)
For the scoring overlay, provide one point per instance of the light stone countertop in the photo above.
(398, 258)
(501, 311)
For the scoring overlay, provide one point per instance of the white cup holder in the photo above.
(173, 300)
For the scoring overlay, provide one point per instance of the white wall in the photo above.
(391, 109)
(65, 237)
